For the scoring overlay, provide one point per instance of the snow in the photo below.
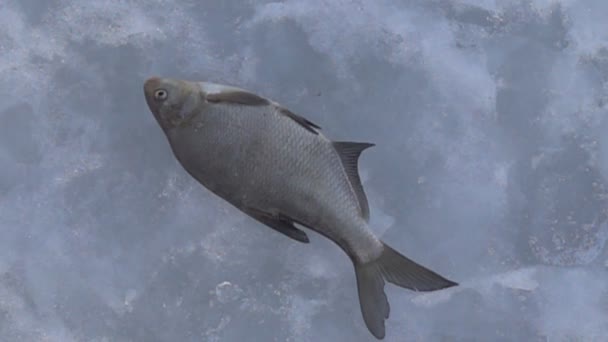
(490, 167)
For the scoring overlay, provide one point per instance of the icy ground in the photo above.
(491, 167)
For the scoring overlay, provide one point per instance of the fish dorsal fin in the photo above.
(349, 153)
(302, 121)
(280, 223)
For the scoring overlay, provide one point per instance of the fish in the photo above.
(278, 168)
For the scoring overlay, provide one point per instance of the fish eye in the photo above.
(160, 94)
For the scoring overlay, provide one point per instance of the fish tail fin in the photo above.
(395, 268)
(373, 301)
(401, 271)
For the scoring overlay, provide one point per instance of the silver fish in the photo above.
(277, 167)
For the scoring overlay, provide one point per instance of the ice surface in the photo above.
(490, 167)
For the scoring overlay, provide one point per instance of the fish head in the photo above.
(173, 102)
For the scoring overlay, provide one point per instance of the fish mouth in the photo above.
(151, 84)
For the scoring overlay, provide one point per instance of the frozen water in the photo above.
(491, 167)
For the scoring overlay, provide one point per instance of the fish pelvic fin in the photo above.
(300, 120)
(395, 268)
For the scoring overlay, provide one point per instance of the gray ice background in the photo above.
(491, 167)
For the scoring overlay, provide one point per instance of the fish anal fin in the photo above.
(281, 224)
(349, 153)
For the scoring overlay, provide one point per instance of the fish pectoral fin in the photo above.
(279, 223)
(236, 96)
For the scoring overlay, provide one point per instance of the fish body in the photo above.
(278, 168)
